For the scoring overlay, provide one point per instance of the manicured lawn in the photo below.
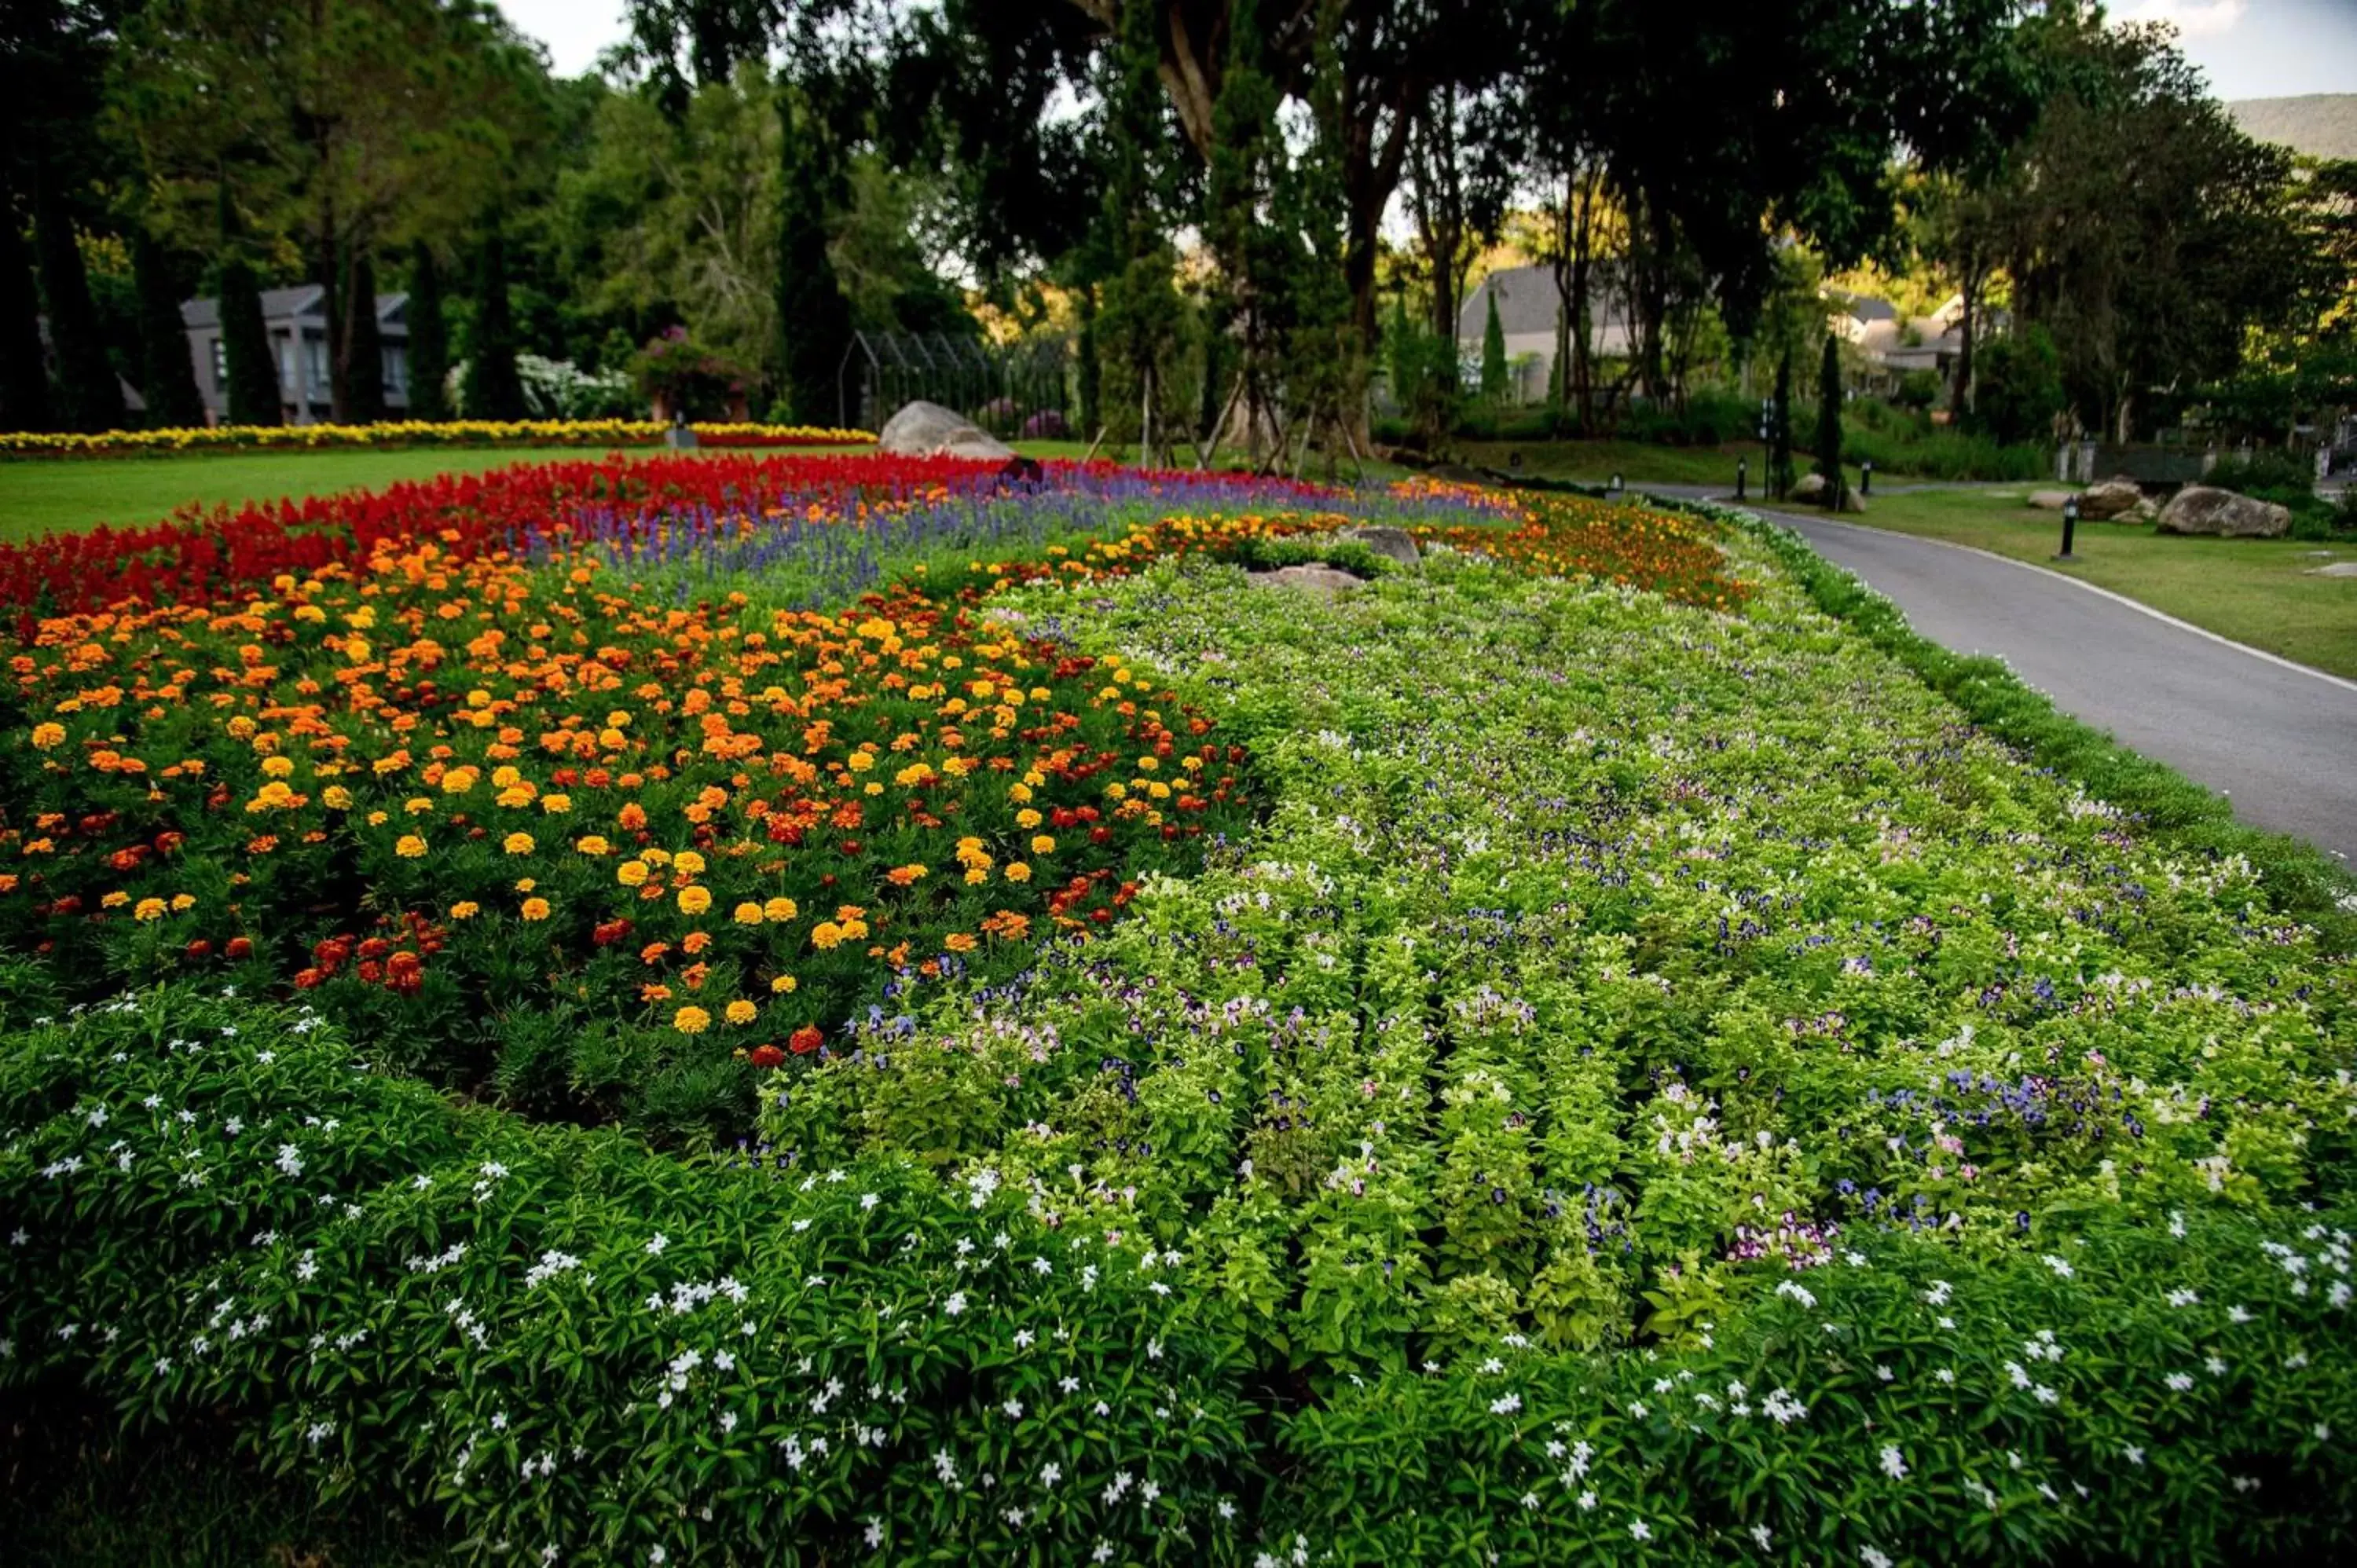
(2253, 590)
(44, 496)
(1636, 462)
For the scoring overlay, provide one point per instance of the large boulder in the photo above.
(2051, 500)
(1810, 489)
(1391, 544)
(928, 430)
(2116, 496)
(2203, 508)
(1315, 577)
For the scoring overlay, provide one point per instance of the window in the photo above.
(316, 355)
(220, 365)
(396, 371)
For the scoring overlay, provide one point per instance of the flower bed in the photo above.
(409, 432)
(1641, 1076)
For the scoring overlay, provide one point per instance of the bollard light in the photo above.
(1742, 468)
(1866, 478)
(1514, 461)
(2069, 526)
(1615, 486)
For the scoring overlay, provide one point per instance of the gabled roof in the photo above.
(279, 305)
(1527, 303)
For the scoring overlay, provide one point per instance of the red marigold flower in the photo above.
(240, 948)
(767, 1057)
(805, 1039)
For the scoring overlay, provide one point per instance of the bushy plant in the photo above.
(2018, 388)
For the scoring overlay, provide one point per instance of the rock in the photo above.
(1316, 579)
(2337, 569)
(1811, 488)
(928, 430)
(2113, 498)
(1390, 544)
(2202, 509)
(2049, 500)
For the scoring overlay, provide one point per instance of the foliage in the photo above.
(1944, 454)
(1777, 473)
(2019, 388)
(489, 387)
(1827, 447)
(429, 338)
(1493, 355)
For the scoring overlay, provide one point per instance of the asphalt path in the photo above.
(2278, 739)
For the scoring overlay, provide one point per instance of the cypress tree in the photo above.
(167, 375)
(1493, 354)
(89, 395)
(1142, 314)
(1238, 196)
(1092, 371)
(1829, 428)
(251, 395)
(429, 337)
(813, 318)
(494, 389)
(363, 345)
(1779, 433)
(24, 382)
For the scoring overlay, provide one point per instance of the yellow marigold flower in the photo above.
(630, 872)
(465, 909)
(518, 844)
(149, 909)
(592, 843)
(959, 941)
(337, 797)
(780, 909)
(746, 914)
(975, 876)
(114, 901)
(1148, 764)
(1018, 793)
(536, 909)
(278, 766)
(740, 1012)
(45, 736)
(825, 935)
(916, 773)
(1042, 843)
(183, 902)
(1017, 872)
(409, 847)
(694, 900)
(1026, 819)
(862, 761)
(417, 804)
(691, 1020)
(556, 805)
(784, 985)
(688, 862)
(378, 818)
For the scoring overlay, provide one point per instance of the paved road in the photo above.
(2280, 739)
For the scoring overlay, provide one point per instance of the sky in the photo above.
(2249, 48)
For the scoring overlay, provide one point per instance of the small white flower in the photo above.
(1639, 1531)
(2061, 1266)
(1588, 1502)
(1873, 1559)
(955, 1304)
(654, 1250)
(1894, 1464)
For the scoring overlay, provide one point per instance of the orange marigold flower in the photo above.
(409, 847)
(465, 909)
(695, 941)
(904, 876)
(960, 941)
(536, 909)
(655, 952)
(633, 816)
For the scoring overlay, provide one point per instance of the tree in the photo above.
(814, 319)
(90, 397)
(493, 389)
(429, 337)
(24, 382)
(1141, 318)
(1779, 433)
(167, 375)
(1493, 354)
(252, 392)
(1829, 424)
(2019, 392)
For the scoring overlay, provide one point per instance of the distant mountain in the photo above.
(2322, 125)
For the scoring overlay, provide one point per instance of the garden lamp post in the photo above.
(1742, 467)
(1614, 487)
(2069, 526)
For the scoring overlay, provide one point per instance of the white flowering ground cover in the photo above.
(1659, 1083)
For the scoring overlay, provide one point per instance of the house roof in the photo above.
(285, 304)
(1527, 303)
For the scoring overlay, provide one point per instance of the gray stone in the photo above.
(1316, 579)
(2203, 508)
(1391, 544)
(2337, 569)
(1811, 488)
(2049, 500)
(2114, 496)
(928, 430)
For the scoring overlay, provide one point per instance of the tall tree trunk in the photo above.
(1968, 323)
(24, 402)
(429, 337)
(167, 375)
(90, 397)
(362, 348)
(1582, 336)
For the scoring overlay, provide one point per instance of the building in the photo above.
(297, 320)
(1527, 307)
(1891, 346)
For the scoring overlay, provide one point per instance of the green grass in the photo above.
(1636, 463)
(2254, 590)
(56, 495)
